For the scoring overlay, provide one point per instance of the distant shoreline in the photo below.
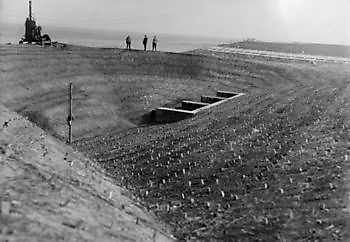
(315, 49)
(311, 49)
(113, 39)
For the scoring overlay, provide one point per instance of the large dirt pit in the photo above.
(271, 165)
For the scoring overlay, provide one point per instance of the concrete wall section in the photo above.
(211, 99)
(226, 94)
(167, 115)
(190, 108)
(190, 105)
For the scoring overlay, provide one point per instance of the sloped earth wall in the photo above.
(49, 192)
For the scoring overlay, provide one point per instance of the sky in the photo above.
(317, 21)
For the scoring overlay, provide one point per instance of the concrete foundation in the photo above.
(190, 105)
(190, 108)
(166, 115)
(211, 99)
(226, 94)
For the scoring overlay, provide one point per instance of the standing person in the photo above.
(128, 42)
(154, 43)
(144, 42)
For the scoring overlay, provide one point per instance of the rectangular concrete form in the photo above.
(211, 99)
(191, 108)
(190, 105)
(166, 115)
(226, 94)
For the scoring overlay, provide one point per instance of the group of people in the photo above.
(144, 42)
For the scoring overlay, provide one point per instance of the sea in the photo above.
(11, 33)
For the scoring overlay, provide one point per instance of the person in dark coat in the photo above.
(128, 42)
(144, 42)
(154, 43)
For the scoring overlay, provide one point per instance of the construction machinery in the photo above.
(33, 31)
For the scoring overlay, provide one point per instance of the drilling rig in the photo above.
(33, 32)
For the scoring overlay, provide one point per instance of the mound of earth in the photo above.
(49, 192)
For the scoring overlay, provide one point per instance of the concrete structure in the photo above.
(190, 108)
(190, 105)
(226, 94)
(167, 115)
(211, 99)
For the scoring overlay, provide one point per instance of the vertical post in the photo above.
(70, 114)
(30, 10)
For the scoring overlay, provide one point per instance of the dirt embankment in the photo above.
(49, 192)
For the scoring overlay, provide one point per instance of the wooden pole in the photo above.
(70, 113)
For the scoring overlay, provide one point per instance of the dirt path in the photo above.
(48, 192)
